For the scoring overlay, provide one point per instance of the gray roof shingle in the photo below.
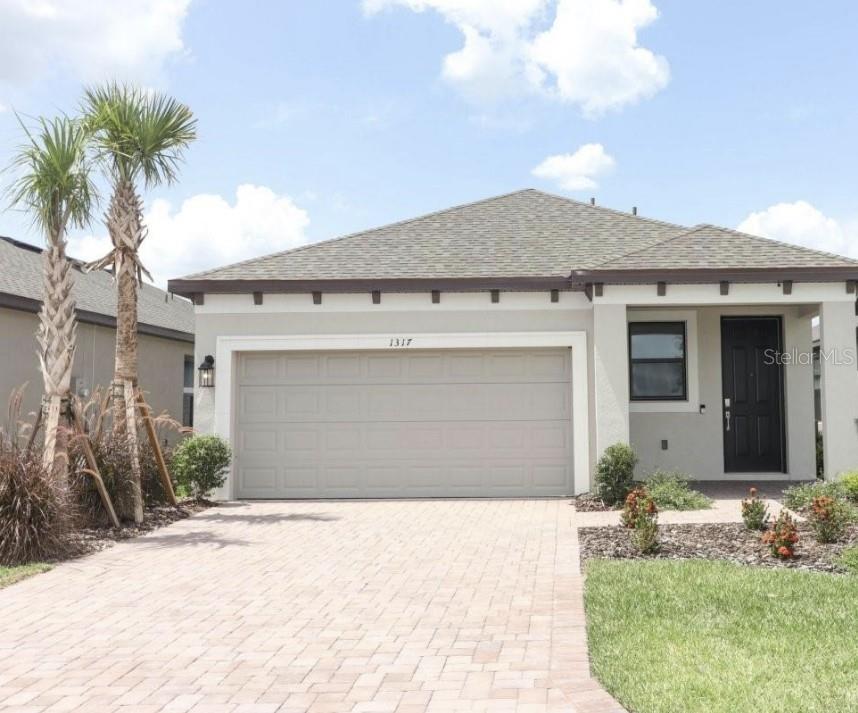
(708, 246)
(21, 276)
(525, 234)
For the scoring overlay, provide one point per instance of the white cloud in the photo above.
(577, 171)
(90, 40)
(800, 223)
(3, 108)
(588, 55)
(207, 231)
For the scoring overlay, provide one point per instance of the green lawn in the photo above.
(10, 575)
(711, 637)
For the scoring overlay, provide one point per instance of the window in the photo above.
(657, 361)
(188, 392)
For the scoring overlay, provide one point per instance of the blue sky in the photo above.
(346, 114)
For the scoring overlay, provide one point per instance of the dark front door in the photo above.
(753, 394)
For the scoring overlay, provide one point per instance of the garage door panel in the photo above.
(494, 423)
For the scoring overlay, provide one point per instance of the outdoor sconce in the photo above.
(206, 370)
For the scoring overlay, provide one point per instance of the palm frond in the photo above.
(138, 134)
(54, 181)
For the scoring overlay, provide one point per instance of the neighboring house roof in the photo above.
(520, 238)
(159, 312)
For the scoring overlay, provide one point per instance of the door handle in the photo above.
(727, 418)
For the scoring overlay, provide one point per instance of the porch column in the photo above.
(839, 387)
(611, 372)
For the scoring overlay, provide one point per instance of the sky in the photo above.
(318, 119)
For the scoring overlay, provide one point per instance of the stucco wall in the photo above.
(161, 362)
(398, 315)
(695, 440)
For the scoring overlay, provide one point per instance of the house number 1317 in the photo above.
(400, 342)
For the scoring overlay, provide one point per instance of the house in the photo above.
(166, 334)
(497, 348)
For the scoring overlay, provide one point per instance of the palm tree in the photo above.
(54, 185)
(139, 137)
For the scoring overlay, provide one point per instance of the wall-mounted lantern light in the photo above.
(206, 370)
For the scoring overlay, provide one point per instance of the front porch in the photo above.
(721, 386)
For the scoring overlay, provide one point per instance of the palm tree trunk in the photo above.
(56, 339)
(124, 222)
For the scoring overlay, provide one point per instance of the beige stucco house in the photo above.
(166, 331)
(497, 348)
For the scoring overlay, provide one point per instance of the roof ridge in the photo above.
(606, 209)
(358, 233)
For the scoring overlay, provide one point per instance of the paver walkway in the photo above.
(317, 606)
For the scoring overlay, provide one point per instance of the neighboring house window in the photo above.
(657, 361)
(188, 392)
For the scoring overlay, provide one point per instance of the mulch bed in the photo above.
(727, 541)
(591, 503)
(93, 539)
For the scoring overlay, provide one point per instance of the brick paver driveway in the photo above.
(316, 606)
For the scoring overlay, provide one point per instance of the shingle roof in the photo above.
(21, 276)
(525, 235)
(708, 246)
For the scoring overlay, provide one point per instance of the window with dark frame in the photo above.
(658, 361)
(188, 392)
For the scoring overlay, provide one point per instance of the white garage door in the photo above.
(403, 424)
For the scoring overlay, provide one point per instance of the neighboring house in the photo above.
(497, 348)
(166, 333)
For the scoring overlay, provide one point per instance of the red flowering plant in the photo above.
(640, 515)
(829, 518)
(637, 503)
(783, 536)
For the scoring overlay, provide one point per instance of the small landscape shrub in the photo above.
(615, 473)
(34, 513)
(849, 559)
(799, 497)
(755, 512)
(200, 464)
(783, 537)
(849, 483)
(829, 518)
(113, 456)
(670, 491)
(637, 502)
(640, 515)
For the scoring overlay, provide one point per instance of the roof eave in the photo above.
(831, 273)
(28, 304)
(190, 287)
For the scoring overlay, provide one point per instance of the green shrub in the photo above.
(829, 518)
(799, 497)
(34, 512)
(849, 559)
(615, 473)
(200, 464)
(670, 491)
(849, 483)
(755, 512)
